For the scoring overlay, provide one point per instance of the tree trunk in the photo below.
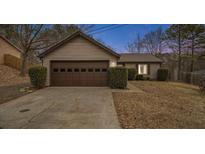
(179, 59)
(192, 55)
(23, 65)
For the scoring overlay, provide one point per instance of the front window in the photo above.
(142, 69)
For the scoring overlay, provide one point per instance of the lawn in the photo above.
(161, 105)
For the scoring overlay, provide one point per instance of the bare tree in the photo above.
(33, 39)
(153, 42)
(8, 31)
(136, 45)
(56, 32)
(27, 38)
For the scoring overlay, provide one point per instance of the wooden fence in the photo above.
(192, 77)
(12, 61)
(15, 62)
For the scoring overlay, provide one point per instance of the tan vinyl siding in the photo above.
(6, 48)
(130, 65)
(78, 49)
(153, 71)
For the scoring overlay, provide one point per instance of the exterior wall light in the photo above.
(113, 64)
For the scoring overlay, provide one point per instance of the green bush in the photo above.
(139, 77)
(131, 73)
(162, 74)
(37, 76)
(117, 77)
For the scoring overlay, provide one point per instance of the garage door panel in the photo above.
(80, 73)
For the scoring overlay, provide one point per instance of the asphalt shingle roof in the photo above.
(138, 57)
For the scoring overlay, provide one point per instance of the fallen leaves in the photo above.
(10, 76)
(164, 105)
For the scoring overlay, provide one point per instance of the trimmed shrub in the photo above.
(37, 76)
(162, 74)
(139, 77)
(202, 83)
(117, 77)
(131, 73)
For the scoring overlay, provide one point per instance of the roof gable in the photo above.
(69, 38)
(7, 41)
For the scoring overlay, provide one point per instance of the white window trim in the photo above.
(139, 69)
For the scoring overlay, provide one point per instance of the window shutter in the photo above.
(137, 68)
(148, 69)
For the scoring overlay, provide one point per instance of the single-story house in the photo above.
(6, 47)
(145, 64)
(80, 60)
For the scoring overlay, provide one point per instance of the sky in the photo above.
(118, 37)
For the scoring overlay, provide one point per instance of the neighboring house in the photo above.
(79, 60)
(145, 64)
(6, 47)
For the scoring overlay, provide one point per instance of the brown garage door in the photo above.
(79, 73)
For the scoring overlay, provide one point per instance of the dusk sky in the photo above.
(118, 37)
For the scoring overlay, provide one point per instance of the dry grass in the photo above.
(11, 84)
(163, 105)
(10, 76)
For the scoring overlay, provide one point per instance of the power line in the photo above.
(101, 28)
(104, 29)
(118, 26)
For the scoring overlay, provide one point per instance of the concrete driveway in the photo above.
(61, 107)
